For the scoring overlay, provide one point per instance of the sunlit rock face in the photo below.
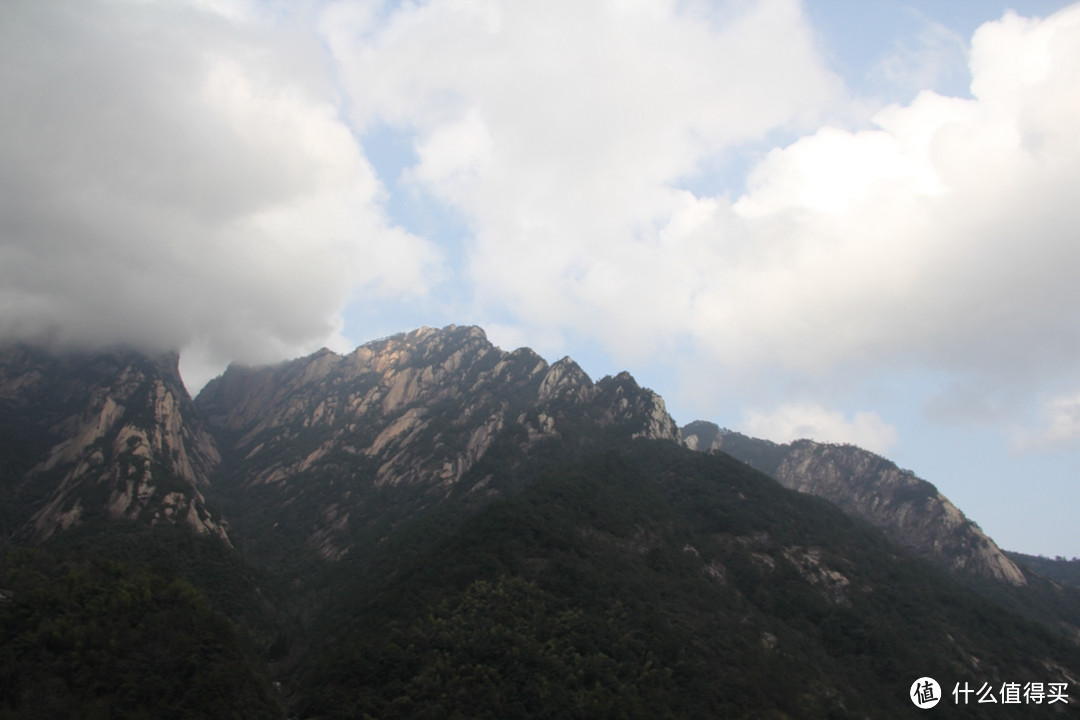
(109, 435)
(314, 446)
(412, 415)
(908, 509)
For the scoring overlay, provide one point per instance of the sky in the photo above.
(849, 221)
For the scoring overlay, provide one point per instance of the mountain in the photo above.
(907, 508)
(431, 526)
(101, 638)
(329, 445)
(648, 581)
(118, 610)
(110, 435)
(1059, 569)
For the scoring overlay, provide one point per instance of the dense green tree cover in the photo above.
(1049, 597)
(105, 639)
(579, 576)
(250, 597)
(656, 583)
(1058, 569)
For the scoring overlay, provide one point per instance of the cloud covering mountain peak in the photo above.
(690, 189)
(179, 176)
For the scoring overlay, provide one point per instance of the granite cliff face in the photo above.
(411, 416)
(325, 451)
(105, 435)
(316, 449)
(908, 509)
(493, 541)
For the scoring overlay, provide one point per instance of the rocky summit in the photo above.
(908, 509)
(309, 448)
(432, 526)
(416, 411)
(109, 435)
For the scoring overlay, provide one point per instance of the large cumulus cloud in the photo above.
(188, 175)
(563, 133)
(944, 238)
(178, 175)
(938, 237)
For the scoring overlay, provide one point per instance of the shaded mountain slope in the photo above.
(82, 638)
(320, 448)
(1058, 569)
(907, 508)
(433, 527)
(110, 434)
(653, 582)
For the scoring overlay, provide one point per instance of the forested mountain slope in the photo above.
(433, 527)
(907, 508)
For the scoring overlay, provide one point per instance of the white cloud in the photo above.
(813, 422)
(1059, 426)
(189, 175)
(942, 237)
(179, 175)
(561, 132)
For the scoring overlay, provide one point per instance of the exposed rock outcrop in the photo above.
(120, 439)
(411, 414)
(908, 509)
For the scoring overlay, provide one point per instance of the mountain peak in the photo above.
(110, 434)
(565, 376)
(417, 410)
(907, 508)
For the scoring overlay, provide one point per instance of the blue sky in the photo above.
(851, 221)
